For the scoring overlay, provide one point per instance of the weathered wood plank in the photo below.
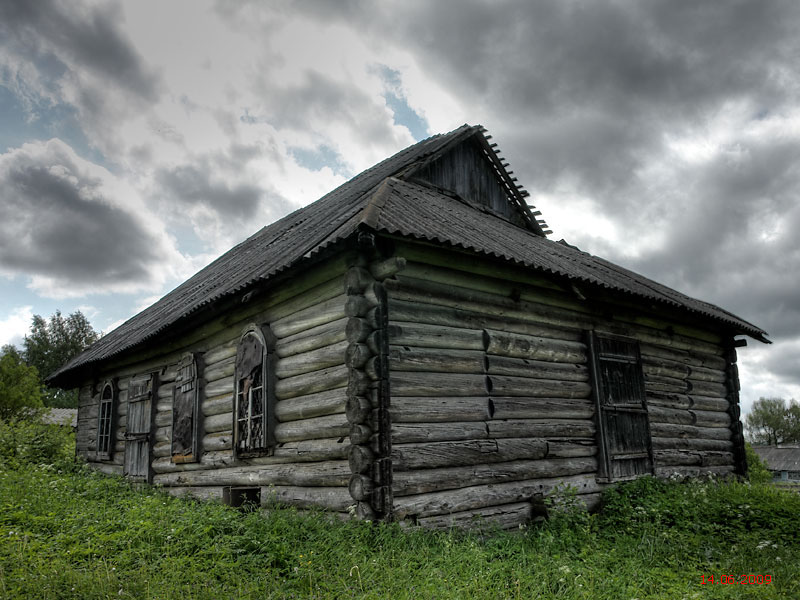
(445, 360)
(313, 428)
(540, 408)
(534, 348)
(478, 496)
(506, 516)
(672, 443)
(313, 360)
(311, 383)
(328, 473)
(429, 480)
(312, 339)
(312, 316)
(537, 369)
(318, 404)
(505, 385)
(434, 336)
(410, 409)
(689, 431)
(330, 498)
(413, 383)
(468, 452)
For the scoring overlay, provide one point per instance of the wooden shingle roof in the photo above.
(387, 198)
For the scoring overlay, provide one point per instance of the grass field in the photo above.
(68, 533)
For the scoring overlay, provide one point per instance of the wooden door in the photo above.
(622, 421)
(137, 435)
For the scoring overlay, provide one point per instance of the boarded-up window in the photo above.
(622, 423)
(185, 412)
(254, 422)
(105, 421)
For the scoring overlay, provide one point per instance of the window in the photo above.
(185, 412)
(254, 420)
(623, 428)
(105, 421)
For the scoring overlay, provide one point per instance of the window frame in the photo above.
(266, 445)
(105, 420)
(190, 361)
(605, 410)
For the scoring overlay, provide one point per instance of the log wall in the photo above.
(491, 400)
(309, 466)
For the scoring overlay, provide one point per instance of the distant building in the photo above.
(782, 461)
(61, 416)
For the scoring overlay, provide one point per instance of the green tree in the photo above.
(774, 421)
(51, 344)
(20, 389)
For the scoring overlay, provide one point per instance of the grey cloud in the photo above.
(58, 36)
(193, 184)
(55, 221)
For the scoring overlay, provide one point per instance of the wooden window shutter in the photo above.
(186, 411)
(623, 426)
(141, 398)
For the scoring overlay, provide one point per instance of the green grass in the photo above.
(68, 533)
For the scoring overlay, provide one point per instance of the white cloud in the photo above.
(16, 326)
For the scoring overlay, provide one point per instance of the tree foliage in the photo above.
(20, 389)
(51, 344)
(774, 421)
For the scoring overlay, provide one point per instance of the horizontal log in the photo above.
(162, 434)
(572, 448)
(356, 279)
(213, 442)
(434, 336)
(666, 385)
(667, 443)
(468, 452)
(537, 369)
(218, 423)
(164, 392)
(318, 449)
(318, 404)
(300, 293)
(478, 496)
(534, 348)
(219, 370)
(313, 360)
(708, 388)
(505, 385)
(161, 449)
(220, 353)
(540, 408)
(444, 360)
(328, 473)
(692, 358)
(704, 374)
(692, 458)
(432, 314)
(541, 428)
(163, 419)
(689, 431)
(220, 387)
(312, 316)
(707, 403)
(388, 267)
(406, 433)
(311, 383)
(674, 401)
(506, 516)
(328, 426)
(438, 409)
(657, 366)
(312, 339)
(164, 405)
(710, 418)
(429, 480)
(413, 383)
(330, 498)
(217, 405)
(357, 306)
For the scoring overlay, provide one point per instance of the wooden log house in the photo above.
(413, 347)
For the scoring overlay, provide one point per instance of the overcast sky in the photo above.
(139, 140)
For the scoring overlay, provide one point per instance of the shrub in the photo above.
(30, 442)
(20, 390)
(756, 468)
